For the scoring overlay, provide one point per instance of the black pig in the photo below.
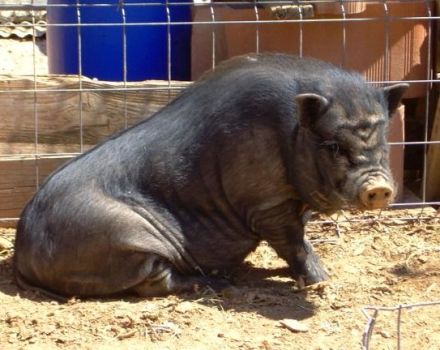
(235, 159)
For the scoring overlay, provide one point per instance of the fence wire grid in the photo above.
(215, 22)
(221, 29)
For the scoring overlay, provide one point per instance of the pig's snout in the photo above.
(377, 194)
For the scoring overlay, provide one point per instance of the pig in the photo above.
(238, 157)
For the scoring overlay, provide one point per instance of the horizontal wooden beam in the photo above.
(59, 114)
(20, 178)
(47, 121)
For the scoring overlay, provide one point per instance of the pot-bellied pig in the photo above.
(236, 158)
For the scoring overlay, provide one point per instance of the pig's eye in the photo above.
(332, 146)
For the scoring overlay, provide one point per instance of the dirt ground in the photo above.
(386, 261)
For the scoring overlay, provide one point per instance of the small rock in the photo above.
(383, 289)
(49, 329)
(359, 250)
(126, 322)
(265, 345)
(150, 312)
(384, 334)
(294, 325)
(336, 305)
(423, 259)
(184, 307)
(431, 287)
(12, 338)
(73, 301)
(126, 335)
(25, 334)
(5, 244)
(61, 339)
(376, 246)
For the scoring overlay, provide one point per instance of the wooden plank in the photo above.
(19, 179)
(15, 173)
(433, 171)
(53, 111)
(397, 134)
(437, 36)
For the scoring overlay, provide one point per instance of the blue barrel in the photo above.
(102, 47)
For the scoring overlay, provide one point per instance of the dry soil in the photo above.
(382, 261)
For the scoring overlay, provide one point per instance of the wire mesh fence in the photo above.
(398, 310)
(48, 119)
(388, 41)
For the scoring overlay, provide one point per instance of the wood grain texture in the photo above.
(58, 116)
(433, 173)
(47, 122)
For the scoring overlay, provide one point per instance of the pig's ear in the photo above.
(310, 108)
(393, 95)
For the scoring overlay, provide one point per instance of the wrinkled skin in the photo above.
(237, 158)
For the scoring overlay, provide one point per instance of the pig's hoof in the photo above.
(314, 275)
(314, 272)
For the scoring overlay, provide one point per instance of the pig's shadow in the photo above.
(254, 291)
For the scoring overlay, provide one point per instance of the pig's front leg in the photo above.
(283, 228)
(305, 265)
